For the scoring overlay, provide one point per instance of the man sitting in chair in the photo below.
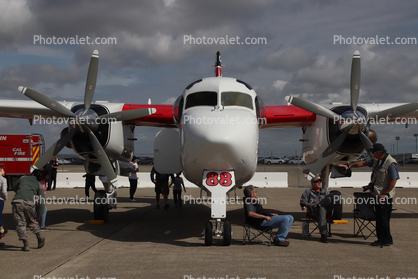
(319, 202)
(260, 217)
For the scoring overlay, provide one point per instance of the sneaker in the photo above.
(281, 243)
(3, 233)
(324, 238)
(133, 200)
(44, 229)
(166, 206)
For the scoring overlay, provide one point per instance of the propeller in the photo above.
(349, 128)
(84, 120)
(396, 111)
(355, 81)
(91, 80)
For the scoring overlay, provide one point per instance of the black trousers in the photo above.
(87, 187)
(133, 186)
(383, 213)
(320, 212)
(52, 178)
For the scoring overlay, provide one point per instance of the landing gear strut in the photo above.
(226, 233)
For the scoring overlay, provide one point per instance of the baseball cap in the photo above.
(378, 147)
(316, 179)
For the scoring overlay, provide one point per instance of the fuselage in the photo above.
(219, 129)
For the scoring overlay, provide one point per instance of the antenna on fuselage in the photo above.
(218, 65)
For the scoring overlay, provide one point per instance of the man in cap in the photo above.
(319, 202)
(382, 186)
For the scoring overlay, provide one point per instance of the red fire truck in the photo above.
(18, 153)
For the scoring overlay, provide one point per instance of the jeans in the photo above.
(43, 216)
(282, 222)
(1, 212)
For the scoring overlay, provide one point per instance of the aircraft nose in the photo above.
(221, 142)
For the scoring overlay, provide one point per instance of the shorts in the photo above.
(161, 188)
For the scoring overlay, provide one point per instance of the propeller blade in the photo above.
(355, 80)
(312, 107)
(54, 149)
(102, 157)
(46, 101)
(129, 114)
(368, 145)
(91, 80)
(327, 154)
(396, 111)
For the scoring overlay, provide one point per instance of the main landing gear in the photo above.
(226, 233)
(103, 202)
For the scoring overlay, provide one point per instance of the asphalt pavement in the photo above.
(140, 241)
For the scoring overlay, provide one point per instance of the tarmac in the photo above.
(140, 241)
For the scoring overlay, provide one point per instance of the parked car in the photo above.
(296, 162)
(78, 161)
(63, 162)
(145, 161)
(273, 160)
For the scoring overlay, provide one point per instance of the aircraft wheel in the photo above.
(208, 234)
(100, 208)
(227, 233)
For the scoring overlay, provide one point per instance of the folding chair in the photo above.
(311, 219)
(263, 234)
(250, 232)
(364, 215)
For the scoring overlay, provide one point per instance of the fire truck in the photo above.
(18, 153)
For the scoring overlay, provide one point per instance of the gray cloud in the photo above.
(150, 59)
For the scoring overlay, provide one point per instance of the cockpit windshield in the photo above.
(236, 99)
(204, 98)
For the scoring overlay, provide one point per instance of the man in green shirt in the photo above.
(28, 192)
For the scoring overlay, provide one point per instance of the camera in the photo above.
(370, 186)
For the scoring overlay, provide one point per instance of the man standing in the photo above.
(161, 186)
(319, 203)
(257, 216)
(382, 186)
(52, 168)
(90, 182)
(133, 179)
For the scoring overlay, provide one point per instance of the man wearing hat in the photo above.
(319, 202)
(383, 179)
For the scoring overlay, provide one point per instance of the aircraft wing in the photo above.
(290, 116)
(30, 109)
(287, 117)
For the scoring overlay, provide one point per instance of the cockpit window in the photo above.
(204, 98)
(236, 99)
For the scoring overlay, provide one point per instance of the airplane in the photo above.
(210, 133)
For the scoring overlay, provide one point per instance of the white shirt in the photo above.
(133, 174)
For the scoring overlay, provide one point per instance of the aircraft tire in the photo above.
(101, 210)
(208, 234)
(227, 233)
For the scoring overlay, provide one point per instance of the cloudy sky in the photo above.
(154, 57)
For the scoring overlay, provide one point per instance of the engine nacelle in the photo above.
(324, 131)
(116, 139)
